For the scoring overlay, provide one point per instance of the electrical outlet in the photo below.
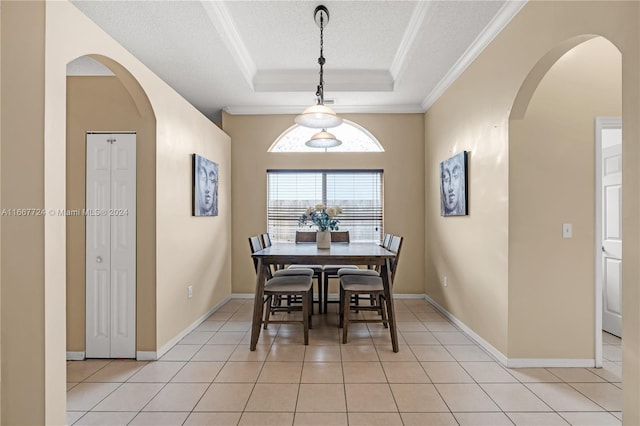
(446, 281)
(189, 292)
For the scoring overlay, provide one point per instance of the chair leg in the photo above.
(305, 317)
(310, 314)
(267, 311)
(341, 307)
(345, 315)
(326, 293)
(383, 310)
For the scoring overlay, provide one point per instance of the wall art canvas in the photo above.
(205, 187)
(453, 185)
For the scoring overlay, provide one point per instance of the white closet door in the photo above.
(111, 246)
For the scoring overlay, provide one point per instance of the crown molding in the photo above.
(497, 24)
(223, 22)
(343, 109)
(339, 81)
(400, 60)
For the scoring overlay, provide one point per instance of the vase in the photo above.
(323, 239)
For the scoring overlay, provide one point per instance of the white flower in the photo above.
(331, 211)
(319, 207)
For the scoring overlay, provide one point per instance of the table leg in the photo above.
(258, 305)
(388, 295)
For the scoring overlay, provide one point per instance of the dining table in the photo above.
(281, 253)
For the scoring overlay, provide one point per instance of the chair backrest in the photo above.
(340, 237)
(266, 240)
(387, 240)
(305, 237)
(395, 246)
(255, 245)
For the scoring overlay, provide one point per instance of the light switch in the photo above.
(567, 230)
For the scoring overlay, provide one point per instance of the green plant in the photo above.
(321, 216)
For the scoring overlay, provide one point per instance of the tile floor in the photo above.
(439, 377)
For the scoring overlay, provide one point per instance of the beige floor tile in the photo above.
(440, 326)
(322, 354)
(537, 419)
(369, 398)
(420, 338)
(374, 419)
(431, 317)
(177, 397)
(85, 396)
(210, 326)
(117, 371)
(514, 397)
(431, 353)
(327, 335)
(77, 371)
(533, 375)
(363, 372)
(418, 398)
(406, 316)
(231, 397)
(214, 353)
(605, 395)
(286, 353)
(220, 316)
(432, 419)
(106, 419)
(316, 398)
(466, 397)
(227, 338)
(405, 372)
(159, 418)
(73, 416)
(198, 371)
(483, 419)
(612, 353)
(359, 353)
(452, 338)
(386, 353)
(575, 375)
(129, 397)
(562, 397)
(468, 353)
(610, 371)
(446, 372)
(241, 316)
(239, 372)
(197, 338)
(320, 419)
(242, 353)
(71, 386)
(212, 419)
(488, 372)
(181, 353)
(591, 419)
(322, 372)
(280, 372)
(157, 372)
(266, 419)
(410, 326)
(268, 397)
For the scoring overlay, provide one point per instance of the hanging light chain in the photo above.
(321, 61)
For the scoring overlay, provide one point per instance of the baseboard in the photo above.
(146, 356)
(171, 343)
(75, 356)
(243, 296)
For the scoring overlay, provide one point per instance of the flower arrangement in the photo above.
(322, 216)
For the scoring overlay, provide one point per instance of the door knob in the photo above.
(99, 259)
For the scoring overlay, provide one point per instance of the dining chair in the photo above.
(366, 284)
(298, 283)
(331, 271)
(266, 240)
(306, 237)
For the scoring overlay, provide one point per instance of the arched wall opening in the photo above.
(110, 103)
(552, 182)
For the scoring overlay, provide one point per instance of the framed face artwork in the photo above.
(453, 185)
(205, 187)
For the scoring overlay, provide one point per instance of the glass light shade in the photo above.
(323, 139)
(318, 117)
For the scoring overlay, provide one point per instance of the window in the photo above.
(358, 192)
(354, 139)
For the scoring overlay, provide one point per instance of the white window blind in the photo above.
(358, 192)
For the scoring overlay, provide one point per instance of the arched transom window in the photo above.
(354, 139)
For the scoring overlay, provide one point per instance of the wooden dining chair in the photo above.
(285, 284)
(366, 284)
(266, 240)
(331, 271)
(307, 237)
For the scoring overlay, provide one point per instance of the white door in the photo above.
(111, 245)
(612, 230)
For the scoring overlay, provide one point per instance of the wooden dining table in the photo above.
(338, 254)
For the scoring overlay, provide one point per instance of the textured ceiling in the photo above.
(252, 57)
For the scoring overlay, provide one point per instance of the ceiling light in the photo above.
(319, 116)
(323, 139)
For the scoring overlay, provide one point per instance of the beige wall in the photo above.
(474, 115)
(552, 161)
(402, 137)
(104, 104)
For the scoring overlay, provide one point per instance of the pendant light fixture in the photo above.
(319, 116)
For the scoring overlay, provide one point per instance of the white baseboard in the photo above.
(75, 356)
(242, 296)
(146, 356)
(171, 343)
(512, 362)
